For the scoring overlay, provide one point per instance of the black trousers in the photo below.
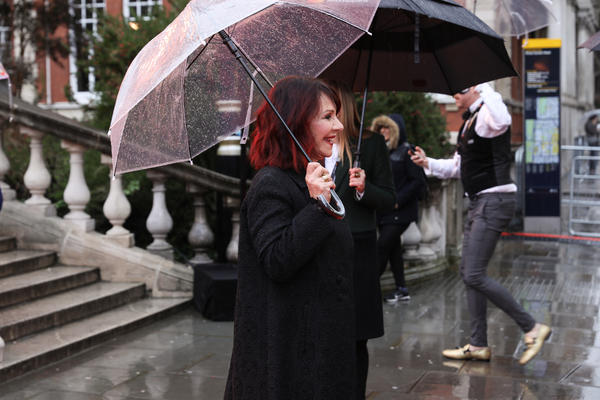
(362, 369)
(390, 249)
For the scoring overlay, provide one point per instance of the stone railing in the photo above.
(74, 236)
(430, 246)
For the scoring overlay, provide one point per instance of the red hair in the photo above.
(297, 99)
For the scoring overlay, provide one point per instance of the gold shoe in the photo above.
(534, 345)
(465, 354)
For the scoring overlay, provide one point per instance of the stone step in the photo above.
(59, 309)
(35, 284)
(20, 261)
(34, 351)
(7, 243)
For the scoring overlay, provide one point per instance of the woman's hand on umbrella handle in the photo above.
(357, 179)
(319, 181)
(419, 157)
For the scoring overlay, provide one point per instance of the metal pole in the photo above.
(338, 213)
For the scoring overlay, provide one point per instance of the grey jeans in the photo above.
(489, 214)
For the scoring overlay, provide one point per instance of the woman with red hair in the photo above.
(294, 332)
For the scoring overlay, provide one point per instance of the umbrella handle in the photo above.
(340, 212)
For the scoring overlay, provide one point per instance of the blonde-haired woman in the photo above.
(409, 181)
(364, 192)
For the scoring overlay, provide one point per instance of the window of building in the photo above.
(86, 13)
(4, 43)
(134, 9)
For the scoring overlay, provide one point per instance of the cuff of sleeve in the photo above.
(316, 203)
(358, 195)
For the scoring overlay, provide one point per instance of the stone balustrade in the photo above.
(431, 245)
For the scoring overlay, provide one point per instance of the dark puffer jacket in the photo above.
(294, 335)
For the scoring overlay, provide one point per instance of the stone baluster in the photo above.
(159, 222)
(201, 237)
(77, 194)
(7, 193)
(232, 249)
(427, 226)
(410, 241)
(37, 178)
(117, 208)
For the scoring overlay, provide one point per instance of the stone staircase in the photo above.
(49, 311)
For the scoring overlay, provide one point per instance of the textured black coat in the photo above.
(294, 333)
(409, 180)
(379, 196)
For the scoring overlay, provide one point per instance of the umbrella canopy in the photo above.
(423, 46)
(592, 44)
(519, 17)
(585, 117)
(186, 91)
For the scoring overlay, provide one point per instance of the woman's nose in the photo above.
(337, 126)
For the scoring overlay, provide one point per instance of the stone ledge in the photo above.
(163, 277)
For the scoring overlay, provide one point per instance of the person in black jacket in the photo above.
(294, 331)
(409, 181)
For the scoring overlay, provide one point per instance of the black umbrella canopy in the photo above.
(423, 46)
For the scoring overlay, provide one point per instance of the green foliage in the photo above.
(425, 124)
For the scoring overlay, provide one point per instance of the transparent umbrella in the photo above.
(592, 44)
(191, 86)
(519, 17)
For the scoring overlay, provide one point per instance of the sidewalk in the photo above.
(187, 357)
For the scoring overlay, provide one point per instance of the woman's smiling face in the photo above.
(324, 128)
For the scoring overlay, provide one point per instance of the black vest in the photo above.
(484, 162)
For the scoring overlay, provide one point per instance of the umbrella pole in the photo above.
(340, 212)
(234, 50)
(364, 107)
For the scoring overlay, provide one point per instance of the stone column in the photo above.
(410, 240)
(159, 222)
(428, 228)
(37, 178)
(116, 208)
(8, 194)
(201, 237)
(232, 249)
(77, 194)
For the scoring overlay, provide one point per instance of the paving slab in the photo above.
(186, 356)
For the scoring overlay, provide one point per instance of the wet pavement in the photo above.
(186, 356)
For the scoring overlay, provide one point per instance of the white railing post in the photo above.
(116, 208)
(232, 249)
(37, 179)
(159, 222)
(201, 237)
(77, 194)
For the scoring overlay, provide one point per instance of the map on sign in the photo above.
(542, 133)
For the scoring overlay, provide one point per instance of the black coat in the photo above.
(361, 216)
(409, 181)
(294, 334)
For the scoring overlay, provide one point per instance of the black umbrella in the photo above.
(422, 46)
(433, 46)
